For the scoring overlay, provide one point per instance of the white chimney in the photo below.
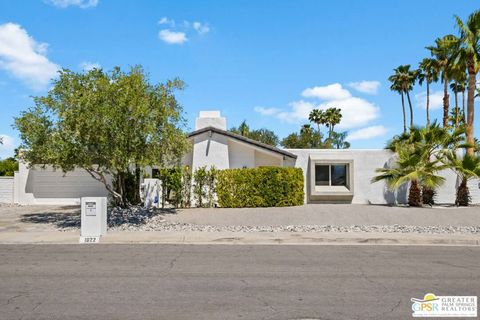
(210, 119)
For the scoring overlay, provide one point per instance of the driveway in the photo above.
(38, 217)
(331, 214)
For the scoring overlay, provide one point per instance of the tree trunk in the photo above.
(472, 79)
(414, 195)
(446, 103)
(428, 105)
(457, 110)
(463, 194)
(404, 115)
(411, 110)
(463, 106)
(319, 135)
(136, 193)
(428, 196)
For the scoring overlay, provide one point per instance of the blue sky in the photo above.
(268, 62)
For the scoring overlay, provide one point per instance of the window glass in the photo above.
(322, 175)
(339, 175)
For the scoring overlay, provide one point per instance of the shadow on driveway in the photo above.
(59, 219)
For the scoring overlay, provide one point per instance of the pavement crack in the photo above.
(9, 300)
(172, 262)
(257, 297)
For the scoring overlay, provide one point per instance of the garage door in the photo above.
(6, 189)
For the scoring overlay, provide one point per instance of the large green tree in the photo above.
(308, 138)
(111, 124)
(262, 135)
(470, 52)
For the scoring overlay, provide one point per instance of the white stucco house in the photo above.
(330, 175)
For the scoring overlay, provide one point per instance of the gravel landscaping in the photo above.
(139, 219)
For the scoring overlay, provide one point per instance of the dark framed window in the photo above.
(331, 175)
(338, 175)
(322, 175)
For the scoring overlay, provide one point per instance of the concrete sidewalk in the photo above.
(244, 238)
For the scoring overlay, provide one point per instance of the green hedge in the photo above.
(260, 187)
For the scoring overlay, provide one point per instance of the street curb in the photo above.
(245, 238)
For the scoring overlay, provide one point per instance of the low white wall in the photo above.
(6, 189)
(48, 186)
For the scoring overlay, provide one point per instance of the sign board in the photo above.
(93, 223)
(90, 208)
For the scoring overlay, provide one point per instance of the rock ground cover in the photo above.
(140, 219)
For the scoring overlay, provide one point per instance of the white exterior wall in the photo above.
(265, 160)
(364, 164)
(47, 186)
(210, 149)
(240, 155)
(6, 189)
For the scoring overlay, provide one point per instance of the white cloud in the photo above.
(24, 58)
(87, 65)
(267, 111)
(356, 112)
(370, 87)
(8, 146)
(201, 28)
(78, 3)
(172, 37)
(167, 21)
(436, 100)
(367, 133)
(333, 91)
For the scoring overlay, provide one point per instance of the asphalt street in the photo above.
(228, 281)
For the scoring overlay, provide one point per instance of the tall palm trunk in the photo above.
(463, 106)
(414, 195)
(455, 92)
(411, 109)
(463, 194)
(428, 104)
(446, 103)
(472, 79)
(404, 115)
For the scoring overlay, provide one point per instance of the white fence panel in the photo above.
(6, 189)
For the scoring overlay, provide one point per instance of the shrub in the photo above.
(260, 187)
(204, 186)
(8, 167)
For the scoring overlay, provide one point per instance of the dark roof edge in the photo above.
(243, 139)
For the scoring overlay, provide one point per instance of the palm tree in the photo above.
(243, 128)
(470, 44)
(339, 140)
(317, 116)
(402, 81)
(443, 51)
(466, 168)
(429, 143)
(457, 70)
(333, 116)
(412, 168)
(429, 70)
